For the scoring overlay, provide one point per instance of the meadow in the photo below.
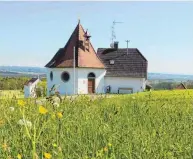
(4, 94)
(157, 124)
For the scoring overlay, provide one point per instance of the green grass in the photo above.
(145, 125)
(11, 93)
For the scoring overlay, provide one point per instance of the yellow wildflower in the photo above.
(4, 146)
(21, 103)
(2, 122)
(105, 149)
(47, 155)
(109, 144)
(19, 156)
(43, 110)
(54, 145)
(59, 114)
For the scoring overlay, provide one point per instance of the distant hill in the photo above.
(169, 77)
(13, 71)
(23, 69)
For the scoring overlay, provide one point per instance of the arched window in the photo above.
(91, 75)
(65, 76)
(51, 75)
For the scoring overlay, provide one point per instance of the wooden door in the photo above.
(91, 86)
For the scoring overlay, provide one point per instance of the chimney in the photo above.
(116, 44)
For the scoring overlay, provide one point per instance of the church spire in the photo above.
(78, 19)
(85, 53)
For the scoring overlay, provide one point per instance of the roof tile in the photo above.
(133, 64)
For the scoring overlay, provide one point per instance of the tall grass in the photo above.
(146, 125)
(4, 94)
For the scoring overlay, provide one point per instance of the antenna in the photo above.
(127, 41)
(113, 36)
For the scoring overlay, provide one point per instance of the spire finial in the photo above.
(78, 19)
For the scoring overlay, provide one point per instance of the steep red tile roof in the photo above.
(84, 57)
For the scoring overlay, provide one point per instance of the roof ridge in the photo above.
(141, 55)
(59, 53)
(77, 47)
(118, 48)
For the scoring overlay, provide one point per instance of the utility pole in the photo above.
(127, 41)
(74, 65)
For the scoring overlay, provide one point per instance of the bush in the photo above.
(12, 83)
(41, 89)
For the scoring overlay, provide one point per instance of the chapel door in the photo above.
(91, 86)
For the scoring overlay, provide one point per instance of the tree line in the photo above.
(12, 83)
(170, 85)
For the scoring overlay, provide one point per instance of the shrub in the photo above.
(41, 89)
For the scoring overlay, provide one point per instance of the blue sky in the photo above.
(32, 32)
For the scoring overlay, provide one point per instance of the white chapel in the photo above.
(78, 69)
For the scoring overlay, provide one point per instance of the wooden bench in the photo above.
(127, 89)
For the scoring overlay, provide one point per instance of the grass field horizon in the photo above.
(155, 124)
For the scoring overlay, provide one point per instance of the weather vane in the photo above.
(78, 18)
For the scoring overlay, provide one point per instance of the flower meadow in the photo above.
(157, 124)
